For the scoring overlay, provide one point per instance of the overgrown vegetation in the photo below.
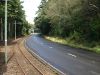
(78, 20)
(15, 13)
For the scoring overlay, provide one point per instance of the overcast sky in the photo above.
(30, 7)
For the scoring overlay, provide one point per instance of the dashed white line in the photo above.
(93, 61)
(62, 73)
(72, 55)
(50, 47)
(41, 43)
(94, 73)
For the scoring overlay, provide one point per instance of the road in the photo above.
(70, 61)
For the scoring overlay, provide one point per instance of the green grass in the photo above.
(71, 43)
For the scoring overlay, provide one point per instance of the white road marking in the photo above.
(93, 61)
(94, 73)
(50, 47)
(35, 38)
(40, 58)
(72, 55)
(41, 43)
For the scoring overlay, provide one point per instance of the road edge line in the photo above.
(44, 61)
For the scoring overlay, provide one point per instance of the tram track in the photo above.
(24, 63)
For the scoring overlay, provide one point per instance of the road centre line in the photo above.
(40, 58)
(72, 55)
(50, 47)
(94, 73)
(41, 43)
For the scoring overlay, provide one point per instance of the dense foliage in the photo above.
(77, 19)
(15, 13)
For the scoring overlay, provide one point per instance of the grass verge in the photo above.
(68, 42)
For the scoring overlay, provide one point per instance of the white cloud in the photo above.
(30, 7)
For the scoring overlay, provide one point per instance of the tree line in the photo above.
(78, 20)
(15, 13)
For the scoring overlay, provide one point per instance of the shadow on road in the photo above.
(3, 67)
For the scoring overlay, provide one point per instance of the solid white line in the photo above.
(45, 60)
(72, 55)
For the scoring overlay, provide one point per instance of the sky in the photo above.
(30, 7)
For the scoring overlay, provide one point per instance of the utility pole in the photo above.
(6, 31)
(15, 29)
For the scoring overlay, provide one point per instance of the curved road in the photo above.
(70, 61)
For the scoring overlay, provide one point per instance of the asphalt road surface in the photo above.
(70, 61)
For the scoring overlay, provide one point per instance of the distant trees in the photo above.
(42, 22)
(15, 12)
(78, 19)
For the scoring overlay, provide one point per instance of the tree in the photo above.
(15, 12)
(41, 21)
(78, 19)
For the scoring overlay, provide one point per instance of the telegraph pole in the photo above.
(6, 31)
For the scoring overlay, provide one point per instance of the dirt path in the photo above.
(21, 62)
(12, 67)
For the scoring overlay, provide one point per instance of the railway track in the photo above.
(21, 62)
(12, 53)
(24, 63)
